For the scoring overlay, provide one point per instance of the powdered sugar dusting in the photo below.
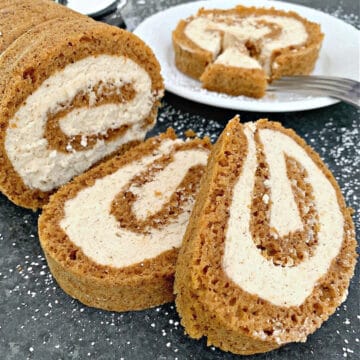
(340, 13)
(181, 122)
(39, 315)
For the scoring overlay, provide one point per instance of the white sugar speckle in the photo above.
(266, 198)
(83, 141)
(181, 122)
(339, 12)
(69, 148)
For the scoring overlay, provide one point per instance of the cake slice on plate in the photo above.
(237, 51)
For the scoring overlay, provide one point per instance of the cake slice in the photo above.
(270, 247)
(73, 92)
(237, 51)
(111, 236)
(235, 73)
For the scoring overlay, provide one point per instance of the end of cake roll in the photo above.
(237, 51)
(31, 13)
(269, 250)
(79, 92)
(111, 236)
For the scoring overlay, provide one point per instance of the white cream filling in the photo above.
(292, 33)
(233, 57)
(89, 224)
(198, 31)
(242, 260)
(207, 33)
(25, 144)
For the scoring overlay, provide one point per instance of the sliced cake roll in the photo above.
(236, 51)
(19, 16)
(111, 236)
(270, 247)
(74, 91)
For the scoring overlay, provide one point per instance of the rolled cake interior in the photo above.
(270, 247)
(78, 92)
(111, 236)
(237, 51)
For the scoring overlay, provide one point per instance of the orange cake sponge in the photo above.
(19, 16)
(270, 247)
(111, 236)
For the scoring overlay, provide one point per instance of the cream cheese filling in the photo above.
(43, 168)
(208, 33)
(233, 57)
(242, 260)
(89, 224)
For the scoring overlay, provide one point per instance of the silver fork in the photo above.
(339, 88)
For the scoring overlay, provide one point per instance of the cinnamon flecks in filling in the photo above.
(243, 261)
(122, 206)
(100, 94)
(293, 248)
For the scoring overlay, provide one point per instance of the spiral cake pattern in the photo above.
(237, 51)
(111, 237)
(78, 92)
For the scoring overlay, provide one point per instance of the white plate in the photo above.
(91, 7)
(339, 56)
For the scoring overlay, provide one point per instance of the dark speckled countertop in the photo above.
(39, 321)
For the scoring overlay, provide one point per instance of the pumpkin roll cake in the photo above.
(111, 236)
(237, 51)
(269, 250)
(74, 91)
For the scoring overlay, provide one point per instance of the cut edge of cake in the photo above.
(209, 302)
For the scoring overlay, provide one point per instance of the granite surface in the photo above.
(39, 321)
